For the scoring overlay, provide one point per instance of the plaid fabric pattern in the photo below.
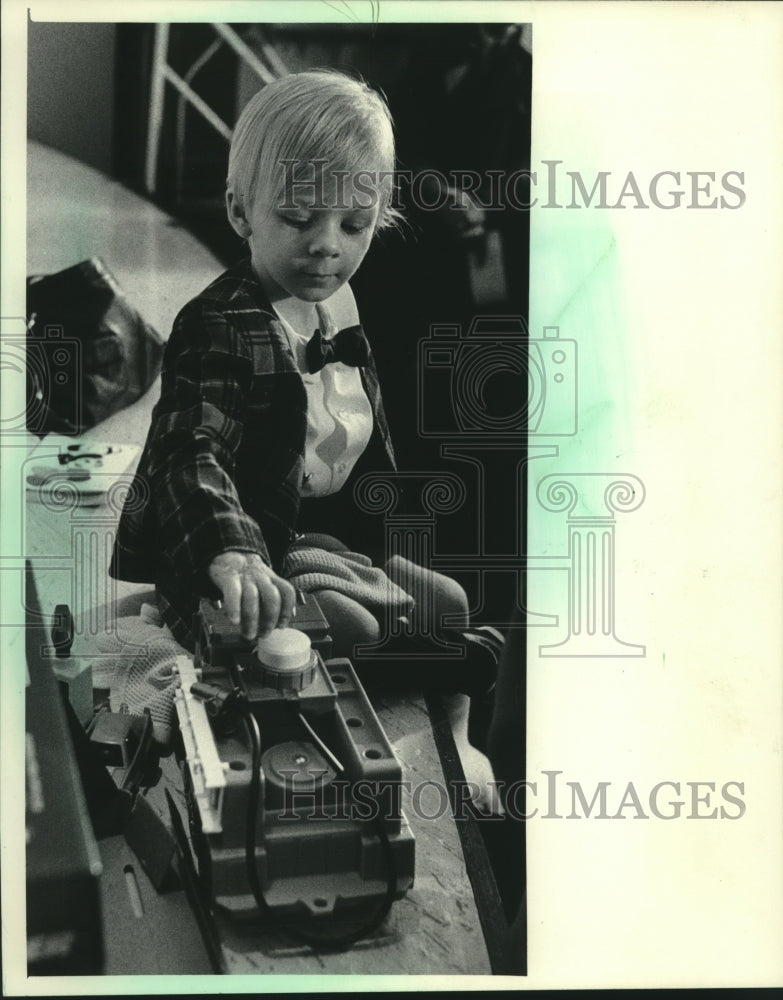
(223, 462)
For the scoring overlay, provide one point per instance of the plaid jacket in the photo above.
(224, 457)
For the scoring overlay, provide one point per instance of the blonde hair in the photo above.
(319, 116)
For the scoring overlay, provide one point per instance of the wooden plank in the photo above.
(477, 863)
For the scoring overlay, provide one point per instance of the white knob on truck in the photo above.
(286, 659)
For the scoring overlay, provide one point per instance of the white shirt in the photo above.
(339, 415)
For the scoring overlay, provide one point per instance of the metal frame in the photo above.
(162, 72)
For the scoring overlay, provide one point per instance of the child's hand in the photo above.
(253, 594)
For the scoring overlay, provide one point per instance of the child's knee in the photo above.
(450, 599)
(435, 594)
(350, 624)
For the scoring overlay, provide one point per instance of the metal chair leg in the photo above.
(157, 95)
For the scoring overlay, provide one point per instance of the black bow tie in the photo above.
(349, 346)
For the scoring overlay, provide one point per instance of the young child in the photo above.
(264, 424)
(256, 440)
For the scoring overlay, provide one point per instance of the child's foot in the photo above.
(478, 771)
(475, 764)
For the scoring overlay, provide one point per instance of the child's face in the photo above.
(308, 252)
